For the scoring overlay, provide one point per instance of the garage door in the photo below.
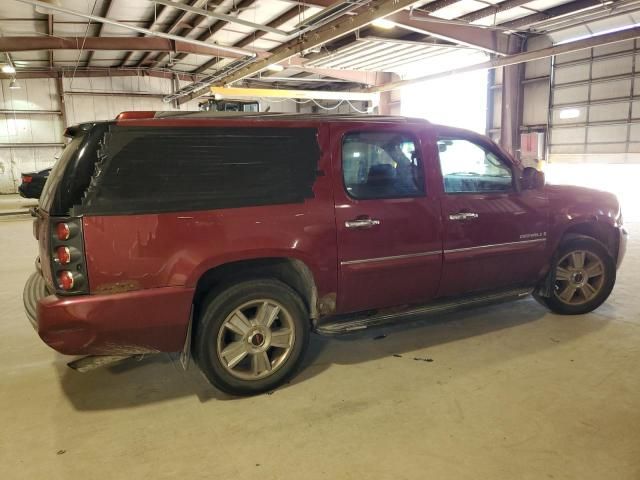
(595, 105)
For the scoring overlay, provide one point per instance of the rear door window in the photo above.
(381, 165)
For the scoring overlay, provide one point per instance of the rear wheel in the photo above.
(251, 336)
(584, 275)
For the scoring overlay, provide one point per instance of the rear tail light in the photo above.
(63, 255)
(63, 232)
(67, 256)
(65, 280)
(27, 179)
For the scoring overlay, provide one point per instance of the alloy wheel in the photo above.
(580, 276)
(256, 339)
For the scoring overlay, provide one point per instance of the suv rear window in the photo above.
(48, 192)
(72, 172)
(162, 169)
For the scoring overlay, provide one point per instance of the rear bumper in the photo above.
(34, 290)
(142, 321)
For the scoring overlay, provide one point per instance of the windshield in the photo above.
(57, 172)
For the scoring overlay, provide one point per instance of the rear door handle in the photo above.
(362, 223)
(461, 216)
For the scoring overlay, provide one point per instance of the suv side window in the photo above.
(381, 165)
(469, 168)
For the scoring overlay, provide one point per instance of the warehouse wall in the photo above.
(31, 140)
(17, 127)
(32, 125)
(600, 86)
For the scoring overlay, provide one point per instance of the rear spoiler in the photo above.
(74, 130)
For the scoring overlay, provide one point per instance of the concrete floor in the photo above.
(511, 392)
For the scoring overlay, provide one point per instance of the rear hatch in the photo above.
(65, 188)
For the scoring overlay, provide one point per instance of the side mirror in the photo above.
(532, 179)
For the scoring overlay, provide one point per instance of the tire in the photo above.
(577, 290)
(251, 336)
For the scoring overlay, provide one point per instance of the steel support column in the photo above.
(63, 106)
(512, 96)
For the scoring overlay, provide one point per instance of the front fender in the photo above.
(583, 211)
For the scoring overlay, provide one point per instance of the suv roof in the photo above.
(262, 116)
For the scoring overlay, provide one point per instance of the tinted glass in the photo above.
(47, 196)
(381, 165)
(469, 168)
(164, 169)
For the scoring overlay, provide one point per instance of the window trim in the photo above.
(421, 164)
(487, 148)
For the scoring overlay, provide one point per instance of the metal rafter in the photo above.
(438, 5)
(97, 18)
(50, 33)
(244, 42)
(150, 24)
(558, 11)
(529, 56)
(474, 36)
(90, 44)
(492, 10)
(331, 31)
(209, 33)
(106, 9)
(173, 28)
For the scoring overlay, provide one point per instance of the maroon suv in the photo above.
(233, 237)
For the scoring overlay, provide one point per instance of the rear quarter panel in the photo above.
(130, 252)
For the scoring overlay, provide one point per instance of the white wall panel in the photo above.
(572, 57)
(612, 66)
(609, 112)
(634, 133)
(572, 73)
(568, 135)
(536, 104)
(607, 127)
(614, 89)
(568, 95)
(613, 48)
(41, 94)
(607, 133)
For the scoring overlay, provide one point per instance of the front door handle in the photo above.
(461, 216)
(362, 223)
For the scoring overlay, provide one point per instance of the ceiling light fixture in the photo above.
(274, 67)
(383, 23)
(8, 69)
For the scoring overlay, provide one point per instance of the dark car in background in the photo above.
(33, 183)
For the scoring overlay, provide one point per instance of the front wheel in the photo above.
(584, 275)
(251, 336)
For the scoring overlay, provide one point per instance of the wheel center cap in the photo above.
(257, 340)
(578, 278)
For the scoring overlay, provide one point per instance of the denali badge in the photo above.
(527, 236)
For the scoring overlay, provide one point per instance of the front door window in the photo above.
(468, 168)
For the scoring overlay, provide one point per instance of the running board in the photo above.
(350, 323)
